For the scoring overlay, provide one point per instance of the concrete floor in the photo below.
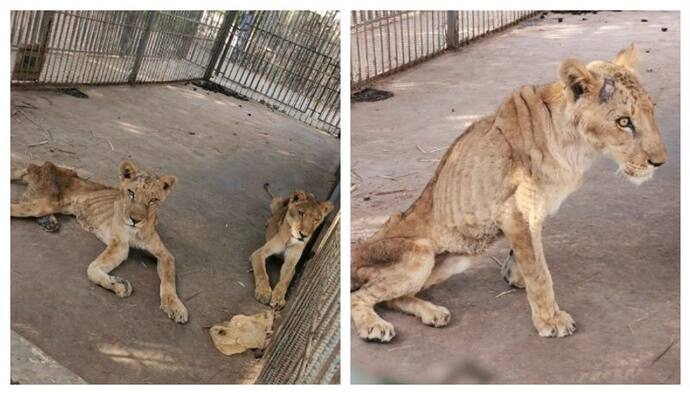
(613, 249)
(222, 150)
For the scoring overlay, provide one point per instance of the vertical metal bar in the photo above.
(150, 15)
(452, 30)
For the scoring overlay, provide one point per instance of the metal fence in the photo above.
(289, 60)
(306, 346)
(383, 42)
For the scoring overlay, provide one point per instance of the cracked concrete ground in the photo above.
(222, 150)
(613, 248)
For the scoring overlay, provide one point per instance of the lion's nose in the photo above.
(656, 163)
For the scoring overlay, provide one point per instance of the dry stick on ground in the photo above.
(38, 143)
(193, 295)
(429, 160)
(46, 131)
(111, 145)
(506, 292)
(391, 192)
(353, 172)
(395, 178)
(432, 150)
(646, 315)
(670, 345)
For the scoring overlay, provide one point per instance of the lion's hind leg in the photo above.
(391, 268)
(41, 197)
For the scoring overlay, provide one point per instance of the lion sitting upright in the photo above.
(121, 217)
(503, 177)
(293, 221)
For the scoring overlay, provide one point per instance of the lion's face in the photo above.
(305, 214)
(142, 194)
(615, 114)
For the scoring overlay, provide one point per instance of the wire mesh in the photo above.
(306, 346)
(383, 42)
(288, 59)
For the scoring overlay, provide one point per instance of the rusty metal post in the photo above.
(219, 43)
(453, 32)
(150, 17)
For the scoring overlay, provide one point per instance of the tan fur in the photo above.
(121, 217)
(503, 177)
(293, 221)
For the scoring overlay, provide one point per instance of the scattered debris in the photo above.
(30, 119)
(560, 20)
(649, 70)
(391, 192)
(395, 178)
(242, 333)
(670, 345)
(241, 284)
(214, 87)
(192, 133)
(432, 150)
(193, 295)
(643, 20)
(429, 160)
(353, 172)
(505, 292)
(664, 29)
(111, 144)
(74, 92)
(370, 95)
(38, 143)
(630, 328)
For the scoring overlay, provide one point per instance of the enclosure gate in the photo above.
(286, 59)
(384, 42)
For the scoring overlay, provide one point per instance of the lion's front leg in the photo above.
(99, 270)
(262, 286)
(170, 301)
(525, 239)
(287, 272)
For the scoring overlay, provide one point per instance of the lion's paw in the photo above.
(263, 294)
(437, 317)
(49, 223)
(175, 309)
(559, 326)
(378, 330)
(121, 287)
(277, 303)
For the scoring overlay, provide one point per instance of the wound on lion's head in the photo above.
(607, 90)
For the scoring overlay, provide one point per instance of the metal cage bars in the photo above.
(289, 60)
(384, 42)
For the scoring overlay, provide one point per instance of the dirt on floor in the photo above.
(613, 248)
(222, 150)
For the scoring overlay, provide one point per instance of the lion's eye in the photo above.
(624, 122)
(131, 194)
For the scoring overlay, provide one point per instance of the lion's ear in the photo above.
(574, 74)
(326, 208)
(127, 170)
(298, 195)
(168, 182)
(628, 57)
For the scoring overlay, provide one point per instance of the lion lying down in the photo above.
(502, 177)
(121, 217)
